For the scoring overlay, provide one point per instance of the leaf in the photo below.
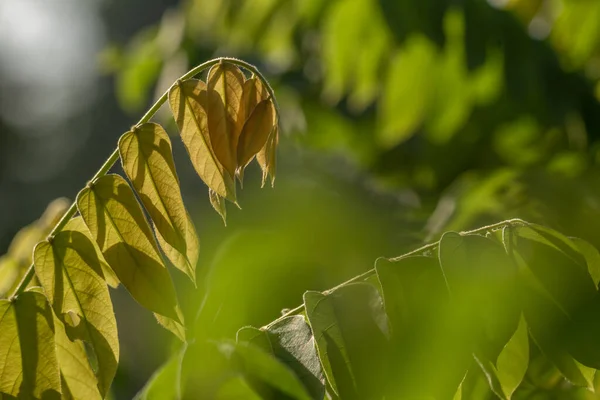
(267, 156)
(351, 329)
(77, 224)
(253, 92)
(291, 342)
(224, 90)
(70, 273)
(255, 133)
(77, 377)
(261, 369)
(507, 372)
(165, 384)
(592, 258)
(236, 388)
(28, 366)
(188, 101)
(218, 204)
(560, 300)
(147, 160)
(482, 281)
(417, 304)
(117, 223)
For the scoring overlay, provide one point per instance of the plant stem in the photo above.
(114, 157)
(420, 250)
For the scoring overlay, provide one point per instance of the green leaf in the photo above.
(256, 131)
(165, 384)
(426, 363)
(351, 329)
(592, 258)
(236, 388)
(560, 300)
(291, 342)
(507, 372)
(147, 160)
(188, 101)
(28, 365)
(218, 204)
(264, 372)
(225, 84)
(117, 223)
(71, 275)
(77, 377)
(482, 281)
(77, 224)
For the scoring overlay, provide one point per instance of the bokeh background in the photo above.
(400, 120)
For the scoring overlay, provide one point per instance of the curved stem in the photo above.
(114, 157)
(420, 250)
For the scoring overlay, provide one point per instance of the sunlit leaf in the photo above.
(218, 204)
(76, 224)
(117, 223)
(417, 304)
(188, 101)
(291, 342)
(28, 366)
(267, 156)
(224, 90)
(351, 329)
(77, 377)
(70, 273)
(255, 132)
(270, 375)
(148, 162)
(236, 388)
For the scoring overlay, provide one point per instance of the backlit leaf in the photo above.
(28, 365)
(224, 88)
(148, 162)
(77, 376)
(592, 258)
(70, 273)
(255, 132)
(267, 157)
(265, 373)
(165, 384)
(236, 388)
(351, 329)
(218, 204)
(291, 342)
(188, 101)
(117, 223)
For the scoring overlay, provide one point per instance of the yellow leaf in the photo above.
(188, 101)
(253, 93)
(267, 156)
(76, 224)
(255, 133)
(218, 204)
(173, 326)
(78, 379)
(9, 271)
(117, 223)
(148, 162)
(224, 90)
(70, 273)
(28, 366)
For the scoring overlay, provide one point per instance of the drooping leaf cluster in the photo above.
(474, 316)
(58, 333)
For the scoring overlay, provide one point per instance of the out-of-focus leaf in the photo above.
(417, 304)
(218, 204)
(291, 342)
(76, 224)
(77, 377)
(256, 131)
(225, 84)
(9, 271)
(71, 275)
(165, 384)
(117, 223)
(148, 162)
(482, 281)
(506, 373)
(236, 388)
(188, 101)
(28, 365)
(267, 157)
(351, 332)
(592, 258)
(407, 91)
(264, 371)
(560, 300)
